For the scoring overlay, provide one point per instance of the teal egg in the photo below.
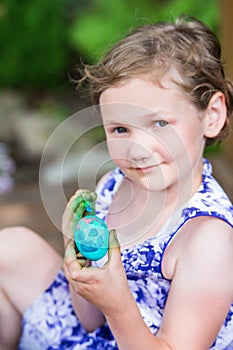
(91, 237)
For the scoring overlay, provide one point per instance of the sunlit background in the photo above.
(42, 42)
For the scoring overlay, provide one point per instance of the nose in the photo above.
(137, 152)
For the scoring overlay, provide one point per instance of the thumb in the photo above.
(114, 247)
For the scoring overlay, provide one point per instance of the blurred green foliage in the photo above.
(105, 22)
(32, 37)
(40, 38)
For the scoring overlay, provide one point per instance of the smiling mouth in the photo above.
(146, 169)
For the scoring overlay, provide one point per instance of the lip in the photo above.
(146, 169)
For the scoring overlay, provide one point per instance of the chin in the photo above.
(153, 184)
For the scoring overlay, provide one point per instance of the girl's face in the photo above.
(153, 134)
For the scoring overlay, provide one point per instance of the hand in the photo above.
(107, 287)
(75, 210)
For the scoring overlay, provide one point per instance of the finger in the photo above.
(113, 240)
(75, 272)
(70, 250)
(81, 204)
(79, 212)
(114, 253)
(68, 219)
(84, 196)
(83, 262)
(71, 253)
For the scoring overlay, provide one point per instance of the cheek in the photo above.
(171, 145)
(176, 150)
(117, 150)
(192, 142)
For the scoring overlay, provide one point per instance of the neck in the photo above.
(139, 214)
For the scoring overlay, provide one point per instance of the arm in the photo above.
(89, 316)
(202, 288)
(199, 299)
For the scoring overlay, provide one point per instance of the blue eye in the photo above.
(160, 123)
(120, 130)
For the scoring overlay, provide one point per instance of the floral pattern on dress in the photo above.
(50, 323)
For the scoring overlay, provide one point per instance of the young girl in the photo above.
(168, 283)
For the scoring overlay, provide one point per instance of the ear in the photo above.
(215, 115)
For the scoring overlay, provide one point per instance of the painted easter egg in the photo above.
(91, 237)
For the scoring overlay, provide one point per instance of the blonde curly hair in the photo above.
(187, 45)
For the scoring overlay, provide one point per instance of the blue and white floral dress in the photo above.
(50, 323)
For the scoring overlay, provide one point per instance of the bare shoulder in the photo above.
(209, 234)
(201, 291)
(207, 250)
(202, 238)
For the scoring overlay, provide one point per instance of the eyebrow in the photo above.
(154, 114)
(143, 116)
